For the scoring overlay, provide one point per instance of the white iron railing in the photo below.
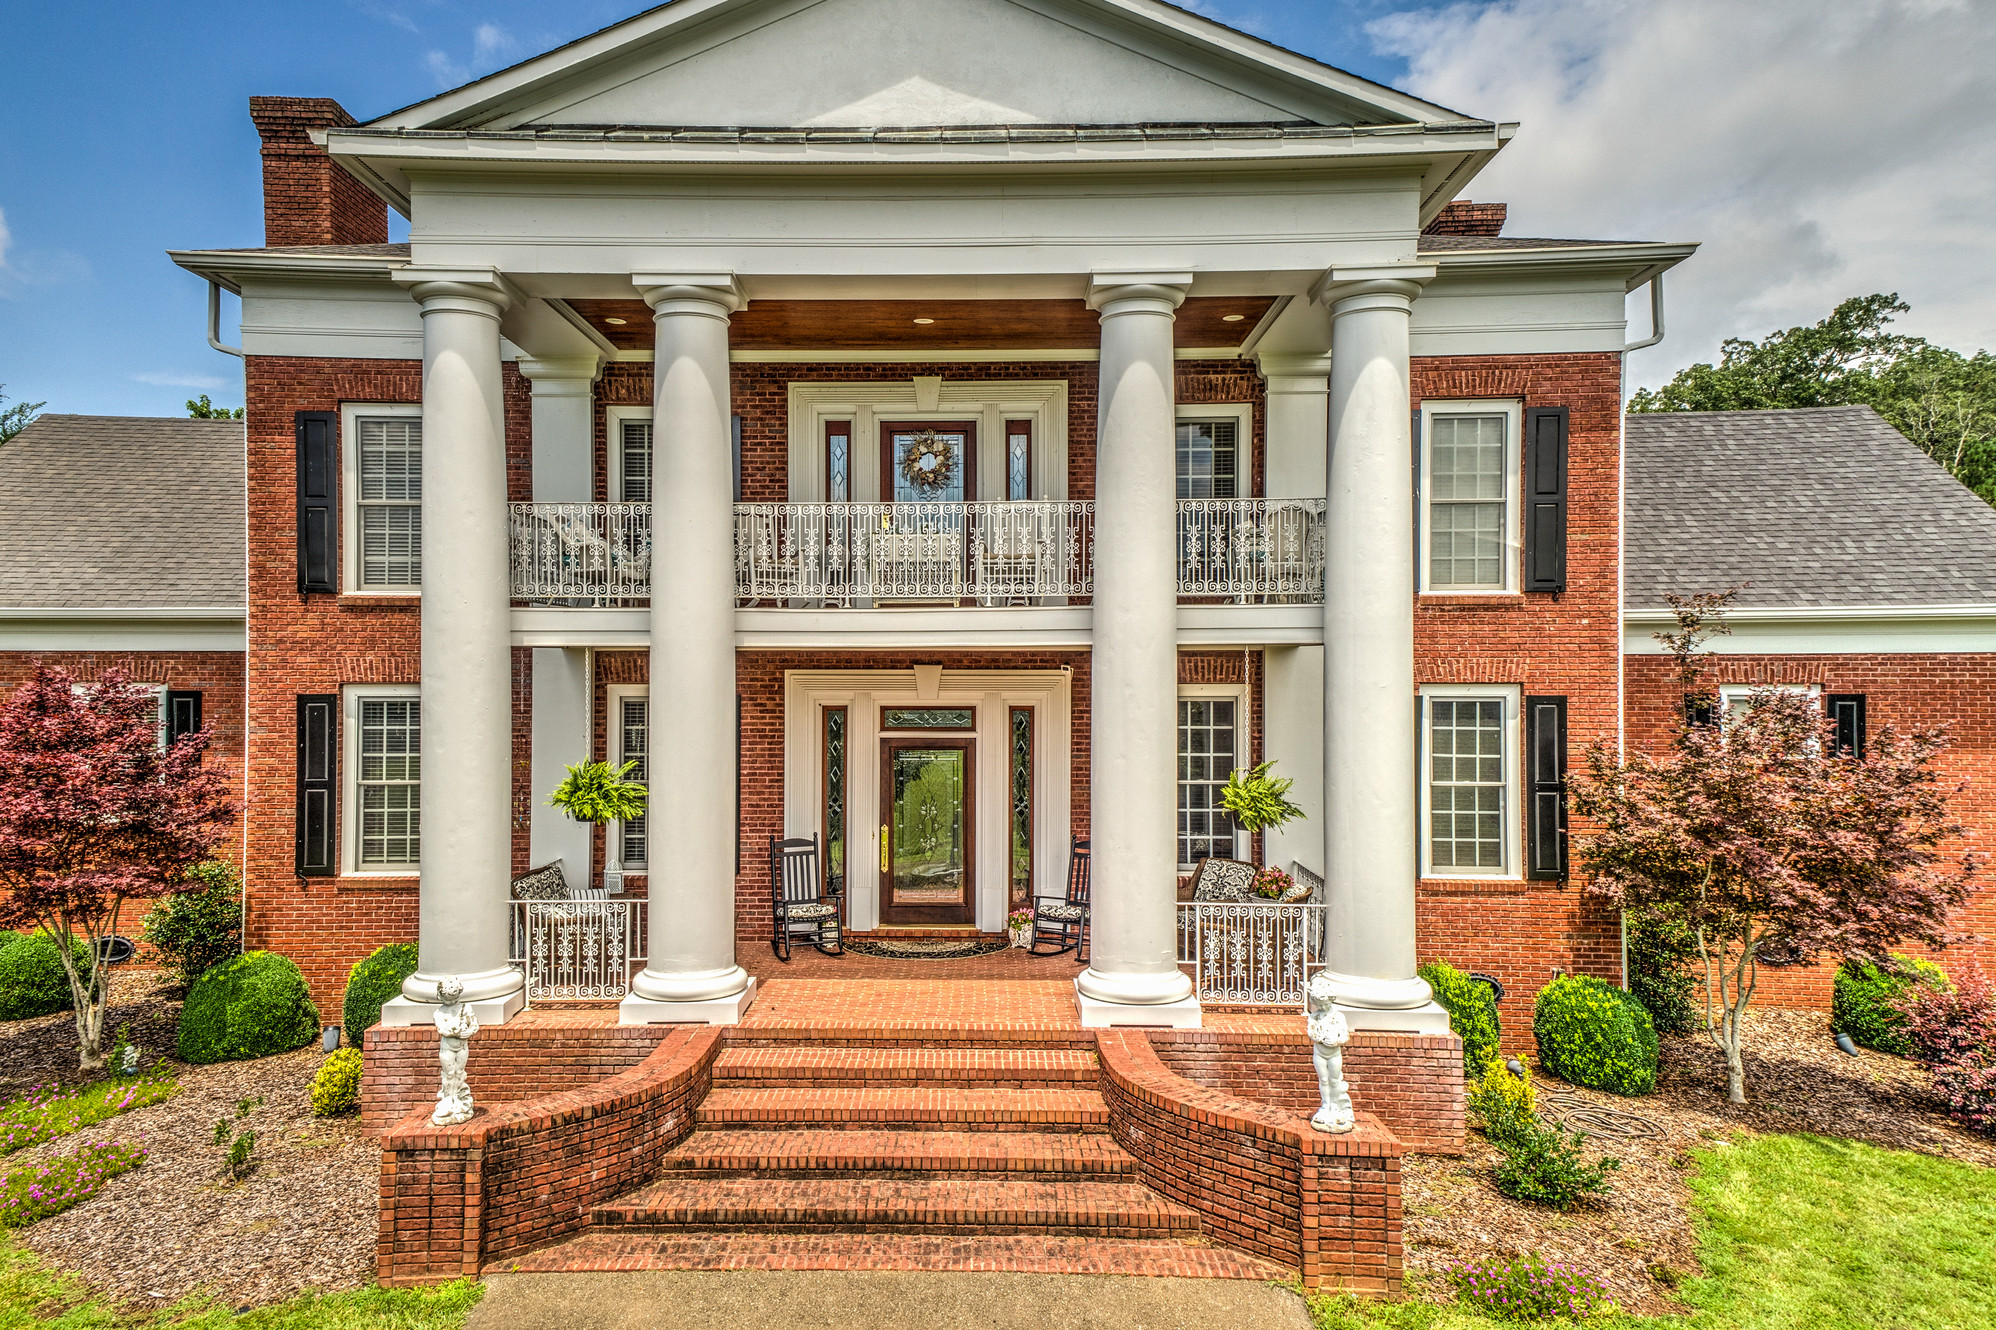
(813, 555)
(1251, 551)
(579, 949)
(1251, 953)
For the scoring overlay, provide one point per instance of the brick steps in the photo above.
(1075, 1156)
(988, 1068)
(603, 1250)
(931, 1206)
(911, 1108)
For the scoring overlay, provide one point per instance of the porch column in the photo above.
(1133, 977)
(467, 712)
(691, 974)
(1370, 806)
(564, 472)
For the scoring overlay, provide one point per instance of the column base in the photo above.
(489, 1011)
(1184, 1014)
(1428, 1018)
(639, 1010)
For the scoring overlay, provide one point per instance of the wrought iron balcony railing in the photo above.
(816, 555)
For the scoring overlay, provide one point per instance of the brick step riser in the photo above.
(957, 1228)
(925, 1040)
(892, 1173)
(854, 1079)
(790, 1122)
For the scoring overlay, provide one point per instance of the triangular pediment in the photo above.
(879, 63)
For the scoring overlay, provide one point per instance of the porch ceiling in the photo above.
(957, 325)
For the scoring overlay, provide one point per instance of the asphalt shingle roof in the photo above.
(122, 512)
(1822, 506)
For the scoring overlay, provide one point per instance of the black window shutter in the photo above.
(1545, 757)
(1545, 498)
(318, 767)
(318, 501)
(1846, 712)
(183, 715)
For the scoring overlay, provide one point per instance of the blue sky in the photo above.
(124, 132)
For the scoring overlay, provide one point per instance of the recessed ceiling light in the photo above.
(925, 320)
(619, 322)
(1232, 318)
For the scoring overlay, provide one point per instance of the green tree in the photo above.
(200, 408)
(1942, 400)
(15, 418)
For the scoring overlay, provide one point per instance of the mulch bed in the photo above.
(304, 1219)
(1640, 1240)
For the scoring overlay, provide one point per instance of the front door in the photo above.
(927, 854)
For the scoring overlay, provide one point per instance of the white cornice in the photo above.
(144, 628)
(1830, 630)
(231, 266)
(1637, 262)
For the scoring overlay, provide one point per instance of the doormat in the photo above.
(926, 949)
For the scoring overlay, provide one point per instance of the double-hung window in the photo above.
(1469, 780)
(385, 747)
(1211, 736)
(389, 507)
(1209, 459)
(1470, 482)
(630, 710)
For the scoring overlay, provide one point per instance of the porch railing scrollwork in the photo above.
(577, 950)
(1251, 551)
(594, 554)
(1254, 953)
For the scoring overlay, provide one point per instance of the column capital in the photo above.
(687, 292)
(561, 376)
(461, 290)
(1296, 365)
(1137, 292)
(1396, 283)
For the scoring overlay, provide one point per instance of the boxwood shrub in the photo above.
(32, 982)
(373, 980)
(1472, 1014)
(249, 1007)
(1865, 997)
(1594, 1034)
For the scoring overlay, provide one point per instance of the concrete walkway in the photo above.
(878, 1300)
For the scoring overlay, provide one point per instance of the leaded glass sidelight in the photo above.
(1022, 804)
(838, 462)
(1018, 460)
(835, 796)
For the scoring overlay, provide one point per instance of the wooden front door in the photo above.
(928, 849)
(903, 447)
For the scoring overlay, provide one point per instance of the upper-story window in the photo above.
(1208, 459)
(1470, 484)
(389, 505)
(631, 454)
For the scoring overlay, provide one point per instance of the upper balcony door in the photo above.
(931, 461)
(928, 469)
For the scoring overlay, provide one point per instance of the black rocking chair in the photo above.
(1062, 921)
(801, 904)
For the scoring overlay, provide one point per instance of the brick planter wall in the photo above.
(523, 1173)
(1260, 1177)
(1411, 1083)
(524, 1059)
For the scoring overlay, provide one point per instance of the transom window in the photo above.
(390, 782)
(391, 502)
(1467, 780)
(634, 745)
(1208, 459)
(1208, 747)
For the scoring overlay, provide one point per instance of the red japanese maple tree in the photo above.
(1756, 830)
(96, 811)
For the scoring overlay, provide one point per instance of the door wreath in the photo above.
(929, 461)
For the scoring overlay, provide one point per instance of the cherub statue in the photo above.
(455, 1025)
(1328, 1036)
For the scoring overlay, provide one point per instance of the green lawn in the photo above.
(1809, 1233)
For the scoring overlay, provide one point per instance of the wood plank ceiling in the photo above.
(944, 325)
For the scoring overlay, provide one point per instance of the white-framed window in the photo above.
(1212, 742)
(1470, 742)
(381, 459)
(383, 728)
(1470, 520)
(630, 741)
(630, 453)
(1215, 448)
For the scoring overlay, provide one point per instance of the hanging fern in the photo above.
(598, 792)
(1258, 800)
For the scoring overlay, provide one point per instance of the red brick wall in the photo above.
(524, 1059)
(1566, 645)
(307, 199)
(1902, 691)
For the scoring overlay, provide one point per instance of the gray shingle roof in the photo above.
(122, 512)
(1822, 506)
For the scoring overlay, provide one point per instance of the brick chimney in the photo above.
(307, 198)
(1463, 218)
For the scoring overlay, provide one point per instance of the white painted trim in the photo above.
(1513, 812)
(1806, 630)
(1243, 739)
(993, 693)
(614, 697)
(351, 414)
(351, 696)
(896, 355)
(1512, 409)
(613, 442)
(136, 629)
(868, 405)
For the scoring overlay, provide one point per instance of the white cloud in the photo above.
(1818, 151)
(446, 71)
(204, 382)
(6, 238)
(489, 43)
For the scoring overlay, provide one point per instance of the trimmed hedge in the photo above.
(32, 982)
(1594, 1034)
(249, 1007)
(1865, 998)
(1472, 1014)
(374, 980)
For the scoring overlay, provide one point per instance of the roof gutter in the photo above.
(215, 321)
(1655, 316)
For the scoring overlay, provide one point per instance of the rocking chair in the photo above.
(801, 905)
(1063, 920)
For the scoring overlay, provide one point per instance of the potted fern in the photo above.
(1259, 800)
(598, 793)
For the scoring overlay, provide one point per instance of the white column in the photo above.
(564, 472)
(467, 719)
(692, 975)
(1370, 805)
(1133, 976)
